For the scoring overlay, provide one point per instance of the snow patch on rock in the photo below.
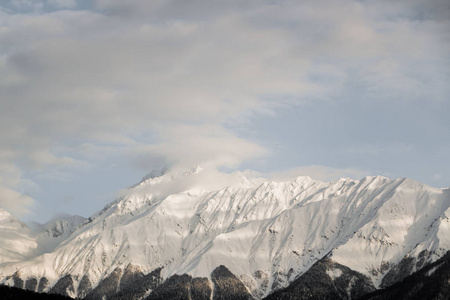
(334, 273)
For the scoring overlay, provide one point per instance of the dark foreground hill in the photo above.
(12, 293)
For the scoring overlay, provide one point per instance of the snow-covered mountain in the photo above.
(210, 230)
(16, 240)
(19, 242)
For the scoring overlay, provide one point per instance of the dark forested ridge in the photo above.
(431, 282)
(316, 283)
(9, 293)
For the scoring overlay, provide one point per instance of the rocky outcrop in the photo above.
(431, 282)
(326, 279)
(108, 287)
(131, 275)
(135, 285)
(201, 288)
(17, 281)
(64, 286)
(404, 268)
(31, 284)
(182, 287)
(227, 285)
(84, 287)
(258, 285)
(43, 284)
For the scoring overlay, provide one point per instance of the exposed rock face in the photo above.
(201, 288)
(31, 284)
(108, 287)
(326, 280)
(404, 268)
(431, 282)
(398, 272)
(18, 282)
(64, 286)
(175, 287)
(227, 285)
(43, 284)
(84, 287)
(134, 284)
(259, 285)
(131, 275)
(182, 287)
(280, 279)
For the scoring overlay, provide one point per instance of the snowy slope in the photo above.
(18, 242)
(51, 234)
(16, 239)
(266, 233)
(412, 220)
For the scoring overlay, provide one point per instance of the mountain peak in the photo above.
(191, 221)
(6, 216)
(167, 174)
(154, 174)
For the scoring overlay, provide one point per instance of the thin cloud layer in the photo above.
(321, 173)
(173, 82)
(184, 146)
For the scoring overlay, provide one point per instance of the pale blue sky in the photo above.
(95, 94)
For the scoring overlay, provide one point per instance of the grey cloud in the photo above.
(316, 172)
(62, 3)
(14, 202)
(163, 80)
(17, 203)
(185, 146)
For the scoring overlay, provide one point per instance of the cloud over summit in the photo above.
(175, 82)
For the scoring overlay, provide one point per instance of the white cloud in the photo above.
(321, 173)
(208, 179)
(11, 200)
(189, 145)
(133, 74)
(15, 203)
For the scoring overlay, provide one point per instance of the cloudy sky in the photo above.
(95, 94)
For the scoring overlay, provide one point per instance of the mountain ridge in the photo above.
(267, 233)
